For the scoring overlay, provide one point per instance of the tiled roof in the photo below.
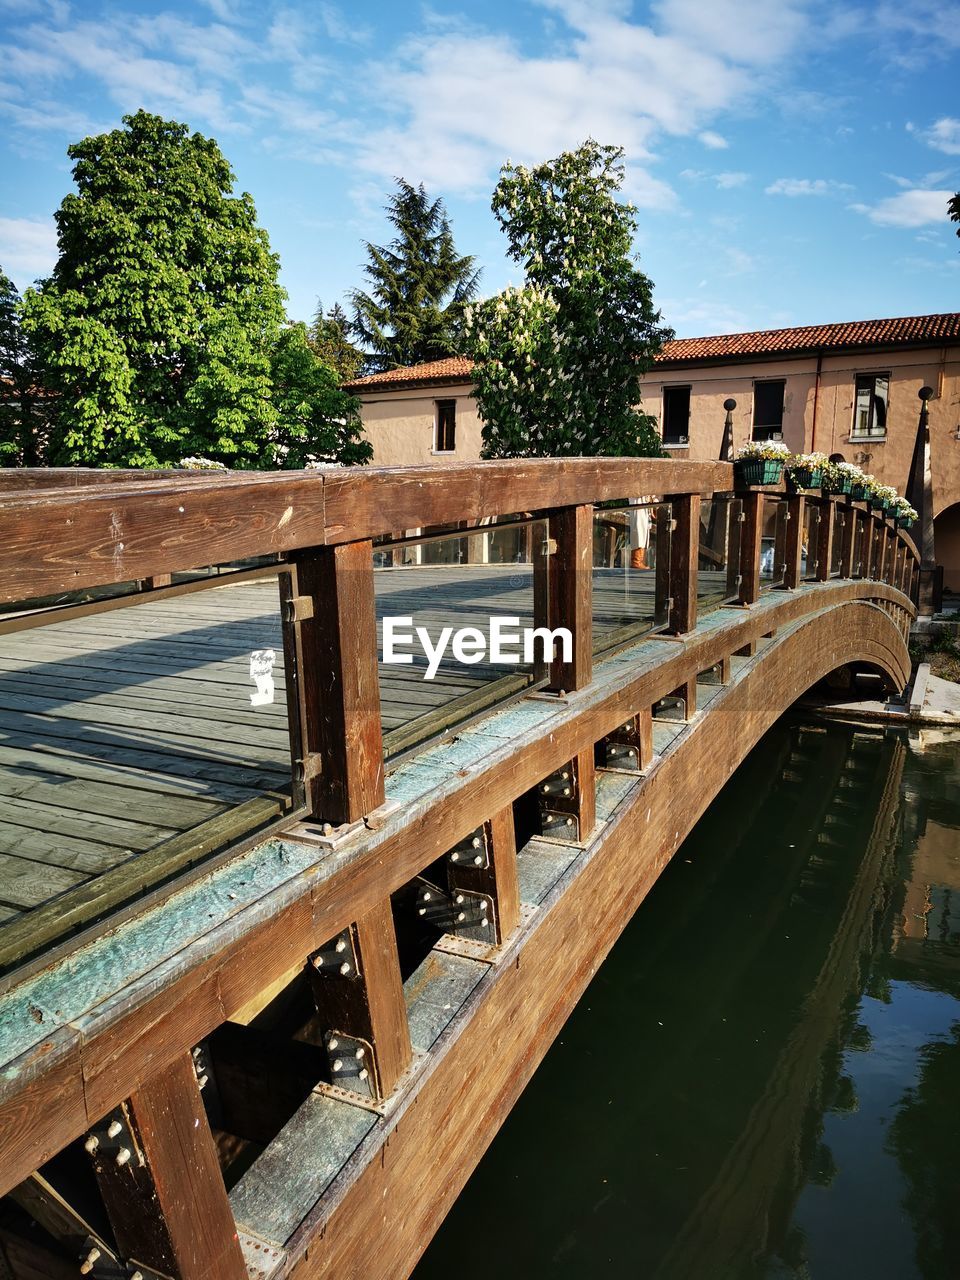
(902, 330)
(453, 369)
(899, 331)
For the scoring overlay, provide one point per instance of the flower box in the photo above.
(905, 522)
(806, 477)
(837, 484)
(753, 471)
(859, 493)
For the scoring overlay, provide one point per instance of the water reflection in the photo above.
(763, 1080)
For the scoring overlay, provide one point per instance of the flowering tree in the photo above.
(559, 361)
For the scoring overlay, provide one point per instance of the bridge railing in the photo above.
(608, 549)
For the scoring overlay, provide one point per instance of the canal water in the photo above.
(763, 1079)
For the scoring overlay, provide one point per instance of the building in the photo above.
(848, 390)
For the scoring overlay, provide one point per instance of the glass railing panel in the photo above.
(134, 741)
(718, 560)
(631, 571)
(810, 546)
(454, 617)
(773, 540)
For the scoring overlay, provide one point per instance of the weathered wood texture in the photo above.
(825, 536)
(796, 517)
(367, 1232)
(366, 1002)
(684, 562)
(54, 1091)
(570, 601)
(750, 545)
(93, 534)
(499, 878)
(166, 1201)
(340, 695)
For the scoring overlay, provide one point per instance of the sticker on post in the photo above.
(261, 672)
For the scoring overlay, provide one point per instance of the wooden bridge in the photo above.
(285, 927)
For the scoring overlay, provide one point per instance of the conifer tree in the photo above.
(22, 425)
(329, 339)
(418, 286)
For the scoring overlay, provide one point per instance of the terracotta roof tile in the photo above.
(855, 333)
(453, 369)
(901, 330)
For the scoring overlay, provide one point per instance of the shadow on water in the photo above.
(763, 1079)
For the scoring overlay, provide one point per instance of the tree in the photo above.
(329, 341)
(22, 425)
(953, 209)
(420, 286)
(317, 421)
(157, 325)
(558, 362)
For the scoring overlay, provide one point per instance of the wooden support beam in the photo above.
(571, 594)
(870, 545)
(750, 547)
(883, 567)
(359, 993)
(498, 879)
(636, 733)
(339, 693)
(688, 692)
(796, 512)
(157, 1168)
(825, 536)
(586, 792)
(684, 562)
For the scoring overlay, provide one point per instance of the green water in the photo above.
(763, 1080)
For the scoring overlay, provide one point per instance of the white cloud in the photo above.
(908, 209)
(715, 141)
(725, 181)
(805, 187)
(28, 248)
(944, 135)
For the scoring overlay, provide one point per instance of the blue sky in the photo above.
(790, 159)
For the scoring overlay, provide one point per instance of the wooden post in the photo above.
(359, 993)
(498, 880)
(688, 692)
(796, 511)
(571, 594)
(570, 793)
(157, 1168)
(866, 559)
(684, 562)
(750, 547)
(336, 628)
(825, 536)
(586, 792)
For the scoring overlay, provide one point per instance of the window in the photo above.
(870, 404)
(446, 430)
(768, 409)
(675, 420)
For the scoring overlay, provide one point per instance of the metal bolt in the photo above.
(123, 1156)
(461, 916)
(341, 945)
(115, 1129)
(478, 861)
(87, 1265)
(458, 899)
(344, 968)
(422, 911)
(454, 857)
(566, 791)
(364, 1074)
(338, 1065)
(476, 842)
(91, 1144)
(332, 1042)
(360, 1052)
(201, 1081)
(426, 895)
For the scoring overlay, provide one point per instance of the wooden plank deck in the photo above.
(122, 732)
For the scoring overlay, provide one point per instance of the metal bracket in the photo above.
(621, 757)
(671, 707)
(564, 827)
(327, 836)
(561, 784)
(298, 609)
(549, 546)
(351, 1063)
(462, 912)
(337, 958)
(471, 851)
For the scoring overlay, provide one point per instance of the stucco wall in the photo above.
(400, 426)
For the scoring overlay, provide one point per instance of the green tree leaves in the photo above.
(559, 361)
(420, 286)
(160, 330)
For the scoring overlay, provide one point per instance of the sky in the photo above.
(790, 160)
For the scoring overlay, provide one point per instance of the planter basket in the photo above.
(843, 484)
(879, 504)
(859, 493)
(807, 477)
(759, 470)
(905, 522)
